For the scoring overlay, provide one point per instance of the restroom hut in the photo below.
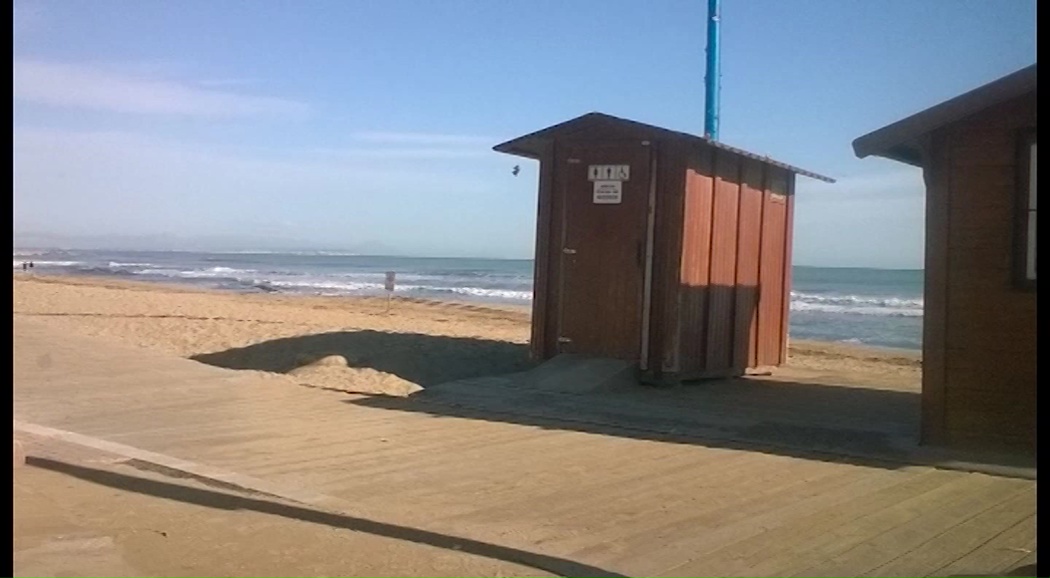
(659, 247)
(977, 153)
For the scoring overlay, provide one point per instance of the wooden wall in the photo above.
(979, 378)
(721, 258)
(735, 264)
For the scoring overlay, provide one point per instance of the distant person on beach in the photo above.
(30, 264)
(25, 266)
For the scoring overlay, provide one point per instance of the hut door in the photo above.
(606, 198)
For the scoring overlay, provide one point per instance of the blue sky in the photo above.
(344, 123)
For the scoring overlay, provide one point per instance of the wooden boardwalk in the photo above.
(623, 504)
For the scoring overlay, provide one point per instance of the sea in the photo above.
(877, 307)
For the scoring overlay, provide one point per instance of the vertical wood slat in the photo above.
(789, 234)
(557, 234)
(935, 298)
(771, 272)
(539, 345)
(665, 345)
(747, 265)
(696, 259)
(721, 300)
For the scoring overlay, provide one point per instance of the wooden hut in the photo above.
(978, 155)
(659, 247)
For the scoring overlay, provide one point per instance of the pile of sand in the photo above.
(333, 372)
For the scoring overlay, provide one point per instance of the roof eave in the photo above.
(898, 140)
(518, 148)
(909, 153)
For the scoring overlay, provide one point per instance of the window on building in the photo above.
(1025, 262)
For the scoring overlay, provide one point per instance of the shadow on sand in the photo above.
(422, 359)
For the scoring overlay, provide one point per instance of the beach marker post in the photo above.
(389, 288)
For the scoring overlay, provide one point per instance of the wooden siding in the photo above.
(748, 257)
(735, 245)
(785, 290)
(982, 325)
(542, 263)
(666, 325)
(935, 290)
(771, 321)
(722, 289)
(696, 259)
(721, 254)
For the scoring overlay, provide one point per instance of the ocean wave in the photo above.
(855, 310)
(213, 272)
(854, 300)
(342, 286)
(117, 265)
(505, 294)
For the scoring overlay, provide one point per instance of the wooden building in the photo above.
(978, 155)
(659, 247)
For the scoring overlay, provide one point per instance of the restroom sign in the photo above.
(608, 192)
(609, 172)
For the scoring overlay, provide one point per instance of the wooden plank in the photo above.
(991, 221)
(1016, 304)
(730, 494)
(685, 545)
(926, 558)
(789, 233)
(804, 524)
(722, 292)
(996, 425)
(555, 279)
(667, 243)
(998, 555)
(934, 338)
(990, 149)
(990, 346)
(875, 539)
(771, 294)
(1012, 114)
(749, 240)
(538, 346)
(696, 259)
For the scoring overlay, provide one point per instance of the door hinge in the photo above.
(564, 340)
(568, 251)
(574, 161)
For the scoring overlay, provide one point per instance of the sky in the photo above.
(369, 125)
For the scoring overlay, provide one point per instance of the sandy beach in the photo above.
(344, 343)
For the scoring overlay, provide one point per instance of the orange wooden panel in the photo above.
(722, 297)
(749, 239)
(696, 261)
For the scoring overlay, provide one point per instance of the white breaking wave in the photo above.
(474, 292)
(857, 305)
(214, 272)
(348, 286)
(117, 265)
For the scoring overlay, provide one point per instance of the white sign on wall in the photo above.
(609, 172)
(608, 192)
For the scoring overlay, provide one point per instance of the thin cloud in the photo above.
(405, 153)
(227, 82)
(416, 138)
(86, 87)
